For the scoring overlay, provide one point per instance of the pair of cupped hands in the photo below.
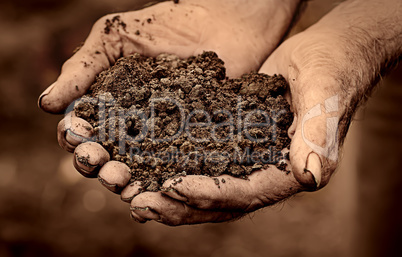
(246, 36)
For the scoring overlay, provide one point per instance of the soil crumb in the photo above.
(115, 22)
(168, 117)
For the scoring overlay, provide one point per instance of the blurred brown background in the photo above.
(47, 209)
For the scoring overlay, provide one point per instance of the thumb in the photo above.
(79, 72)
(314, 132)
(314, 98)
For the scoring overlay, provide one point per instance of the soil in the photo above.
(166, 117)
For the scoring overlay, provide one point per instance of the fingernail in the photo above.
(314, 166)
(130, 191)
(114, 175)
(136, 208)
(78, 131)
(89, 157)
(45, 93)
(82, 165)
(73, 138)
(173, 193)
(137, 218)
(112, 187)
(145, 212)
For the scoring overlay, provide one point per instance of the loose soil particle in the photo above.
(167, 117)
(115, 22)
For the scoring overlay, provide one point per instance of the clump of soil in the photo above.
(166, 117)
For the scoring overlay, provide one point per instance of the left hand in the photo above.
(330, 69)
(323, 96)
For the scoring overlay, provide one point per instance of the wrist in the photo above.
(363, 40)
(369, 35)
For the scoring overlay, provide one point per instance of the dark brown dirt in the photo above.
(167, 117)
(115, 22)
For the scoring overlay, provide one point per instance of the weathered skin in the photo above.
(331, 66)
(242, 39)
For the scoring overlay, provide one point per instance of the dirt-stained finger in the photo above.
(227, 193)
(130, 191)
(72, 131)
(89, 158)
(79, 72)
(161, 208)
(114, 176)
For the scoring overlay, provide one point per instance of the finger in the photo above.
(163, 209)
(72, 131)
(262, 188)
(314, 132)
(314, 146)
(130, 191)
(114, 176)
(79, 72)
(89, 158)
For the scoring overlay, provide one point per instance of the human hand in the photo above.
(238, 33)
(330, 69)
